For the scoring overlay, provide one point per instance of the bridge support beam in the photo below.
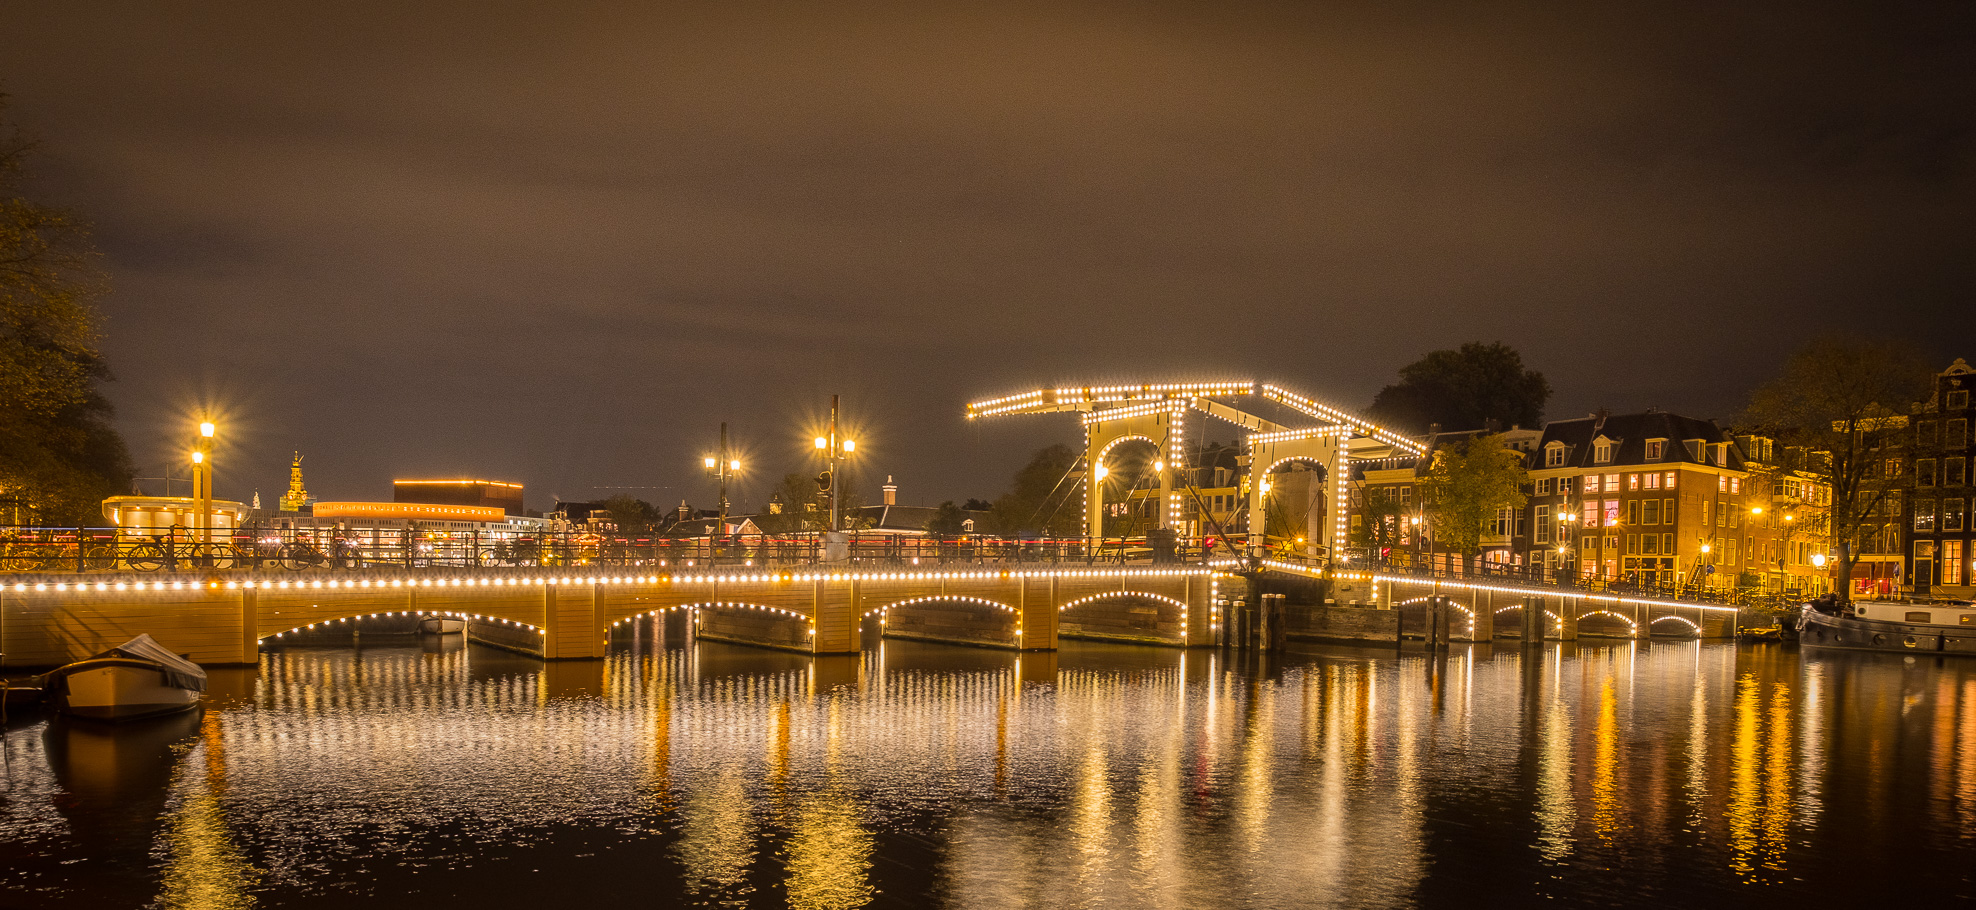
(574, 625)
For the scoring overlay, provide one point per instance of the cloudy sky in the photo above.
(560, 243)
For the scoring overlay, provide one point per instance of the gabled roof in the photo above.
(1629, 434)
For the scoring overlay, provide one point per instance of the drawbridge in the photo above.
(1279, 427)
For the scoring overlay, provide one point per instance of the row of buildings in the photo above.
(1656, 497)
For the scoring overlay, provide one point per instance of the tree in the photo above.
(1464, 389)
(977, 505)
(805, 507)
(947, 520)
(1467, 485)
(1380, 522)
(59, 456)
(632, 516)
(1838, 409)
(1043, 498)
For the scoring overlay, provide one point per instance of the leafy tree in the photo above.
(1464, 389)
(631, 515)
(59, 456)
(1837, 409)
(806, 508)
(1043, 499)
(977, 505)
(947, 520)
(1380, 521)
(1467, 484)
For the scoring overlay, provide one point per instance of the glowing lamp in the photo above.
(206, 429)
(850, 445)
(198, 458)
(734, 465)
(710, 463)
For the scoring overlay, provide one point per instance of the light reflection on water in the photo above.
(1100, 776)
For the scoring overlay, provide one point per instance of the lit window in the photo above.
(1924, 515)
(1670, 480)
(1632, 481)
(1653, 481)
(1611, 513)
(1654, 448)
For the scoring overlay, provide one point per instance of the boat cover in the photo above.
(178, 671)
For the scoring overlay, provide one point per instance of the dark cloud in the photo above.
(562, 244)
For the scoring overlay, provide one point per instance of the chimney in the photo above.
(685, 511)
(891, 491)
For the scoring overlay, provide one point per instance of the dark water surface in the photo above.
(410, 775)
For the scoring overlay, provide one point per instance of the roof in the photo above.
(1629, 434)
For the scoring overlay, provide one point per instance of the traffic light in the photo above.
(823, 482)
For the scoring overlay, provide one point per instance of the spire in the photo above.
(296, 497)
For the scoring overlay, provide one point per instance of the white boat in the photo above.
(138, 678)
(442, 625)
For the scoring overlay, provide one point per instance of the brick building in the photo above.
(1937, 545)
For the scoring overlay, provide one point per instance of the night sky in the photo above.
(561, 246)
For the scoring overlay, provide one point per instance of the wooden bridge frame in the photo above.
(1158, 414)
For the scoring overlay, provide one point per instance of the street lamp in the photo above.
(723, 466)
(202, 482)
(833, 448)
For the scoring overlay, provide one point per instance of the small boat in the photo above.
(1761, 633)
(1872, 625)
(442, 625)
(138, 678)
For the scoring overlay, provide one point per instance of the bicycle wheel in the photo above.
(297, 558)
(101, 556)
(145, 557)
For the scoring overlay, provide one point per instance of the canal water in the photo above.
(437, 774)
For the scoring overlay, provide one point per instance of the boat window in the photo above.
(1920, 616)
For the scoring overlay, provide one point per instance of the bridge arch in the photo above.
(949, 618)
(1135, 616)
(1099, 481)
(412, 615)
(1692, 626)
(1632, 627)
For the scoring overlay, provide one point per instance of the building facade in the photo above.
(1937, 544)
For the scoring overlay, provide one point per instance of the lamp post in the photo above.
(202, 482)
(833, 447)
(722, 466)
(1564, 519)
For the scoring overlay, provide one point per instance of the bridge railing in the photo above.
(1656, 586)
(61, 551)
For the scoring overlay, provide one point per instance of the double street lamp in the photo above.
(722, 466)
(833, 448)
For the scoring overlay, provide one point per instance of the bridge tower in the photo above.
(1281, 426)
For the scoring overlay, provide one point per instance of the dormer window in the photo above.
(1602, 451)
(1554, 455)
(1656, 449)
(1694, 447)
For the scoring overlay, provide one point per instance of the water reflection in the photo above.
(1099, 776)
